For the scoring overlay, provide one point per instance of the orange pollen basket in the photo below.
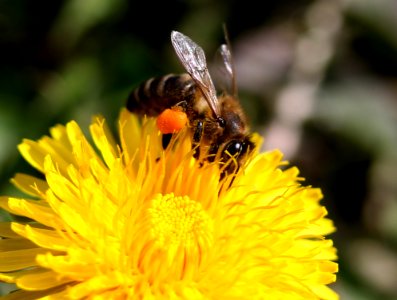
(171, 120)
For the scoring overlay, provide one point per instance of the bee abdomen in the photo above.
(156, 94)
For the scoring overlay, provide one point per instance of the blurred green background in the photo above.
(317, 78)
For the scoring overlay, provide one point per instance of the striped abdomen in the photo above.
(156, 94)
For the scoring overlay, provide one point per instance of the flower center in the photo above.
(180, 222)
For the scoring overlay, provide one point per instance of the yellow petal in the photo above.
(40, 279)
(30, 185)
(33, 209)
(33, 154)
(19, 259)
(129, 131)
(324, 292)
(6, 231)
(15, 244)
(104, 141)
(95, 285)
(59, 134)
(34, 295)
(45, 238)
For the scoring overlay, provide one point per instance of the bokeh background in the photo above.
(317, 78)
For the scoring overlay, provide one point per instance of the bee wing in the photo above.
(225, 72)
(193, 59)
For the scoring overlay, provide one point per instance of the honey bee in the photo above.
(218, 124)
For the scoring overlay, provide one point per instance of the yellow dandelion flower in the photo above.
(128, 220)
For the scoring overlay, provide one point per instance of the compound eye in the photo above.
(234, 148)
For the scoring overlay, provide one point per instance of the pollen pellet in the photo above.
(171, 120)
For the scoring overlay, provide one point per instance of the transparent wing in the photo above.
(227, 59)
(224, 70)
(193, 59)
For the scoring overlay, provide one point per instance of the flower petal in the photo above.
(104, 141)
(45, 238)
(40, 279)
(30, 185)
(19, 259)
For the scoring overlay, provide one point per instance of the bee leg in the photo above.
(166, 139)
